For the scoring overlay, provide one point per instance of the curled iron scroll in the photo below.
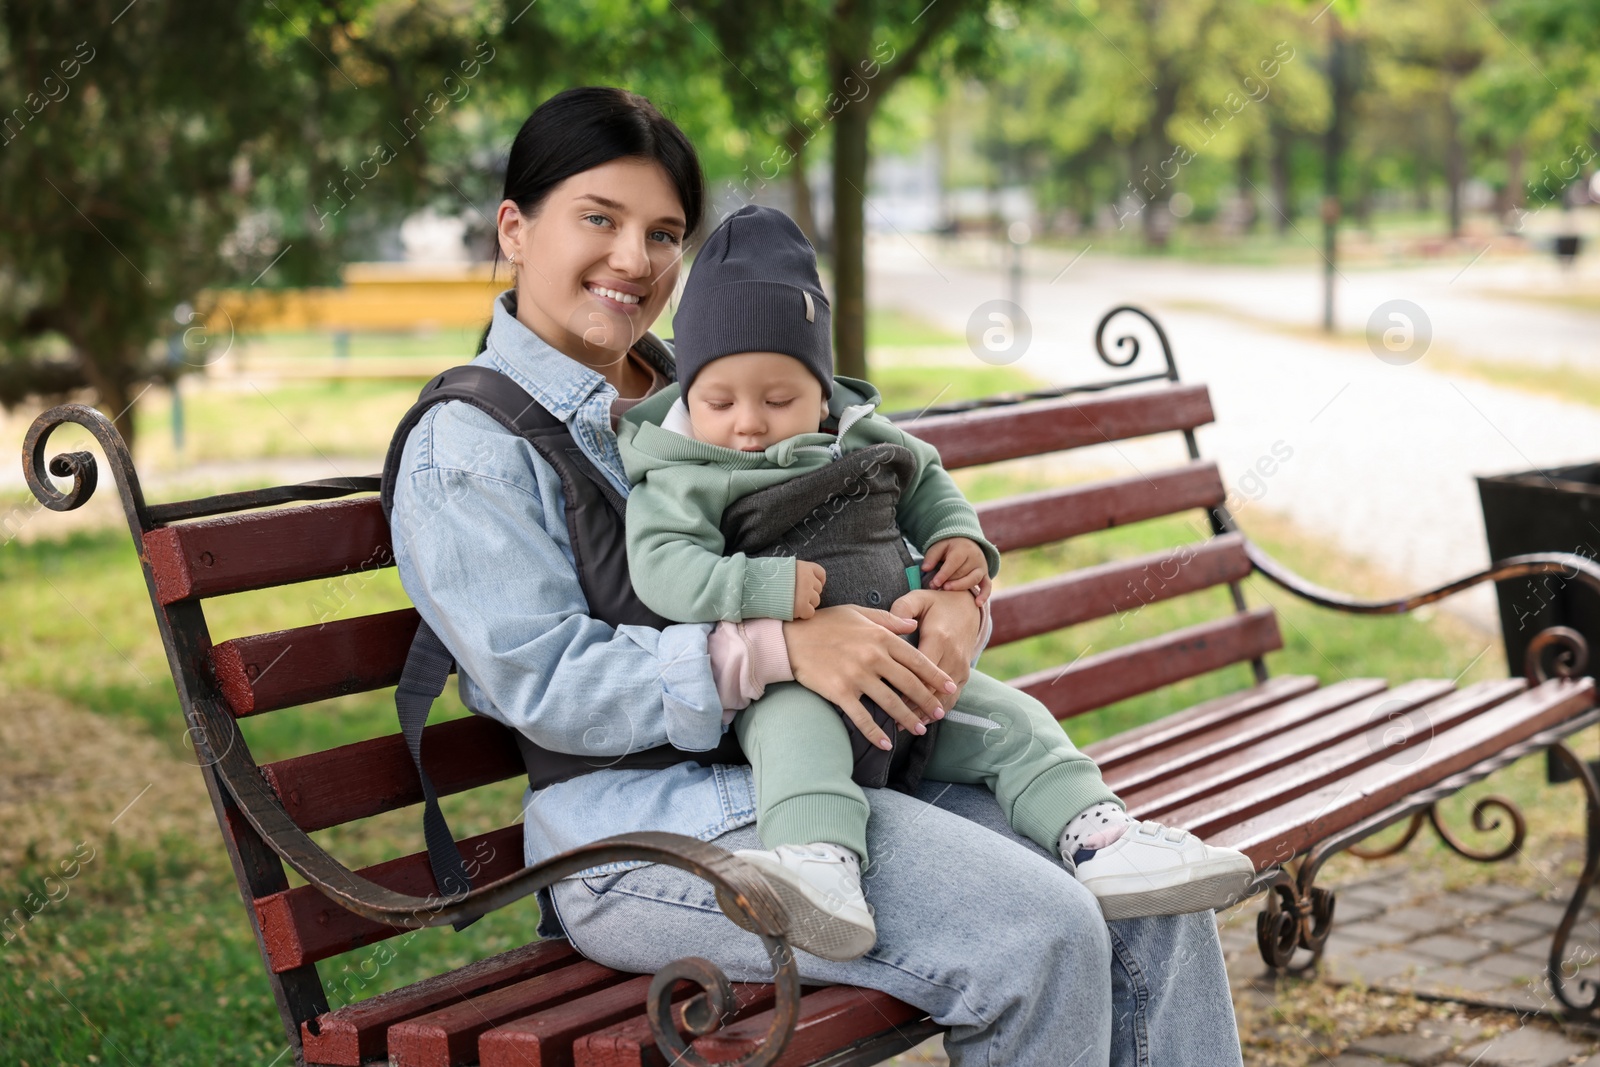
(1130, 343)
(1556, 651)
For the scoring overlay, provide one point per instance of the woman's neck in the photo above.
(625, 375)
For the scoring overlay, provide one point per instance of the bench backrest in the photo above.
(289, 672)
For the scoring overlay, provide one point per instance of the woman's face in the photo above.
(596, 264)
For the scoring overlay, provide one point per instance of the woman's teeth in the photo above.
(621, 298)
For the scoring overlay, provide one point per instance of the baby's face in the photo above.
(753, 400)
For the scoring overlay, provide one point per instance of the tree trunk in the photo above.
(800, 187)
(1454, 164)
(1510, 201)
(113, 393)
(849, 230)
(1250, 211)
(1278, 163)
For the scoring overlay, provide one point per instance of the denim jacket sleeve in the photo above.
(481, 543)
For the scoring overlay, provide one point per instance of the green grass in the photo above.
(151, 945)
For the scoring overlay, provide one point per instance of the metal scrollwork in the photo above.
(1389, 850)
(1556, 651)
(1588, 995)
(81, 467)
(1298, 915)
(1481, 823)
(1129, 342)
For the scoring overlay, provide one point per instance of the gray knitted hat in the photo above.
(754, 288)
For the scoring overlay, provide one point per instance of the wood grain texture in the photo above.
(1246, 787)
(989, 435)
(1172, 767)
(356, 1034)
(830, 1019)
(301, 925)
(448, 1036)
(1039, 518)
(1286, 830)
(285, 668)
(1118, 586)
(1174, 728)
(1107, 677)
(366, 778)
(266, 548)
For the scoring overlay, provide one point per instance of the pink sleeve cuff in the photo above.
(745, 658)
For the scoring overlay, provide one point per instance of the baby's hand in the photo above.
(808, 581)
(960, 561)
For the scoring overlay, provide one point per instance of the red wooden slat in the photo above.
(830, 1019)
(631, 1043)
(340, 785)
(1278, 835)
(301, 925)
(240, 552)
(1176, 767)
(1102, 679)
(545, 1039)
(265, 672)
(1121, 585)
(1402, 739)
(354, 1034)
(448, 1036)
(992, 434)
(1170, 729)
(1031, 519)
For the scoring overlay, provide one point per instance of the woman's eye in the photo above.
(602, 218)
(671, 238)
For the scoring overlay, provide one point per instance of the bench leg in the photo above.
(1561, 971)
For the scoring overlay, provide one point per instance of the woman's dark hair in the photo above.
(590, 126)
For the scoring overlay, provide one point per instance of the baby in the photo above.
(765, 488)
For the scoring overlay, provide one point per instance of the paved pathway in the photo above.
(1381, 457)
(1397, 930)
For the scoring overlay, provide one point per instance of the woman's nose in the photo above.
(630, 256)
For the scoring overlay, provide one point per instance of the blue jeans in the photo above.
(977, 925)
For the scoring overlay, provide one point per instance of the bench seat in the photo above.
(1286, 770)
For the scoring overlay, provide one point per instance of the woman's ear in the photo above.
(509, 222)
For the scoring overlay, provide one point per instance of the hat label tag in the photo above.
(811, 309)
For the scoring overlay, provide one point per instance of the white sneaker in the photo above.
(820, 885)
(1160, 870)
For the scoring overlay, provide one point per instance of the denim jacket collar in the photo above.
(557, 381)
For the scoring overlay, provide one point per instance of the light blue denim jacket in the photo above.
(481, 543)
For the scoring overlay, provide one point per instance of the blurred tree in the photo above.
(1135, 100)
(794, 68)
(150, 152)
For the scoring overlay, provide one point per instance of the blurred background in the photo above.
(249, 232)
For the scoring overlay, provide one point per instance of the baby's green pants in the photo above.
(996, 736)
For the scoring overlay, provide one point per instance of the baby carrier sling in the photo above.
(594, 512)
(843, 517)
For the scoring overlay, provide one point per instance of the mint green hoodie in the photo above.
(682, 486)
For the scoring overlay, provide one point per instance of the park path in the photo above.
(1380, 457)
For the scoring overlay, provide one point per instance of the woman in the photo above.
(977, 926)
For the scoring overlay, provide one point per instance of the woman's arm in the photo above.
(480, 552)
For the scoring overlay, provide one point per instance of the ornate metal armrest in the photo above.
(226, 753)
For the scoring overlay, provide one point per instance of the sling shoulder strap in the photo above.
(429, 662)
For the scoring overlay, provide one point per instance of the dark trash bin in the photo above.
(1551, 510)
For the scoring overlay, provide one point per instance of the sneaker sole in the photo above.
(812, 928)
(1203, 894)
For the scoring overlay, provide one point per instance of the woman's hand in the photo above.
(948, 624)
(844, 652)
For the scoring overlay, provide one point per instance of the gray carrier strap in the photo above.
(595, 529)
(426, 671)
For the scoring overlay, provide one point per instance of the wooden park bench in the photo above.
(1283, 770)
